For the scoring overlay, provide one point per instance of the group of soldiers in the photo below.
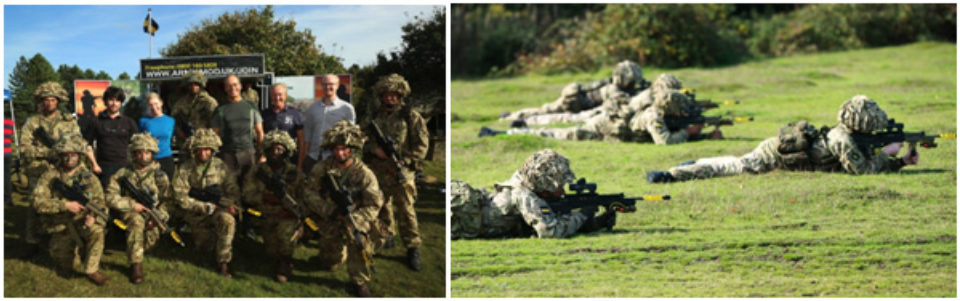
(343, 201)
(518, 205)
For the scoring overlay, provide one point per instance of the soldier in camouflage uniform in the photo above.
(409, 132)
(650, 124)
(76, 234)
(610, 92)
(801, 146)
(279, 223)
(338, 243)
(144, 174)
(518, 204)
(38, 156)
(213, 221)
(194, 109)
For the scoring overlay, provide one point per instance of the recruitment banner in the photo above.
(212, 66)
(88, 96)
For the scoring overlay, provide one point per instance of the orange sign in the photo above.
(88, 96)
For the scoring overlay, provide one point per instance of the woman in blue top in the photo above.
(159, 126)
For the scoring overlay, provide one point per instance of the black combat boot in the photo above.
(362, 290)
(284, 269)
(225, 269)
(519, 123)
(413, 258)
(485, 131)
(660, 177)
(136, 273)
(98, 278)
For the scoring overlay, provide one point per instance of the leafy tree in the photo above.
(286, 51)
(103, 75)
(123, 76)
(89, 74)
(26, 76)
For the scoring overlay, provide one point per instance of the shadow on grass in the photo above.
(922, 171)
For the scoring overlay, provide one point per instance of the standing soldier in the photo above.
(145, 175)
(273, 188)
(192, 111)
(406, 136)
(70, 200)
(37, 138)
(203, 190)
(344, 192)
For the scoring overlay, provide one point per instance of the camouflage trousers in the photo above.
(582, 116)
(762, 159)
(33, 171)
(403, 198)
(571, 103)
(337, 246)
(598, 127)
(139, 238)
(69, 252)
(213, 233)
(276, 234)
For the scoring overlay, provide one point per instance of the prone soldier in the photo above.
(398, 146)
(143, 219)
(207, 195)
(344, 192)
(70, 201)
(273, 188)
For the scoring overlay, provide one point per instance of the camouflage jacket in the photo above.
(515, 207)
(152, 179)
(191, 175)
(256, 194)
(358, 180)
(854, 161)
(51, 203)
(196, 110)
(409, 131)
(649, 125)
(60, 125)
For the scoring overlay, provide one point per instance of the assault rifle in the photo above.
(344, 201)
(706, 104)
(585, 198)
(684, 122)
(893, 132)
(145, 198)
(277, 186)
(210, 194)
(76, 193)
(44, 137)
(388, 146)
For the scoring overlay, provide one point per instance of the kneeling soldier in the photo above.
(207, 194)
(69, 199)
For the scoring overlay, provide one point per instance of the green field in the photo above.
(174, 272)
(780, 234)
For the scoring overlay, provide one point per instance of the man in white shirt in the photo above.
(320, 117)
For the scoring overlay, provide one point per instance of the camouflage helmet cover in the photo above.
(667, 81)
(626, 73)
(278, 137)
(70, 144)
(343, 133)
(195, 77)
(672, 102)
(861, 114)
(204, 138)
(143, 141)
(50, 89)
(545, 170)
(392, 83)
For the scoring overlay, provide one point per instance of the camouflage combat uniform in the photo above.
(211, 223)
(151, 178)
(635, 104)
(279, 225)
(515, 207)
(337, 242)
(611, 93)
(36, 155)
(73, 245)
(195, 110)
(833, 151)
(409, 132)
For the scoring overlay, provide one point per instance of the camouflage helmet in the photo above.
(143, 141)
(50, 89)
(278, 137)
(861, 114)
(203, 138)
(667, 81)
(343, 133)
(672, 102)
(626, 74)
(392, 83)
(195, 77)
(545, 171)
(70, 144)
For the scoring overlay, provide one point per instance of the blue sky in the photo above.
(111, 38)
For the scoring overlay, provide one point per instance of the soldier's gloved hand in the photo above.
(607, 220)
(74, 207)
(89, 220)
(893, 149)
